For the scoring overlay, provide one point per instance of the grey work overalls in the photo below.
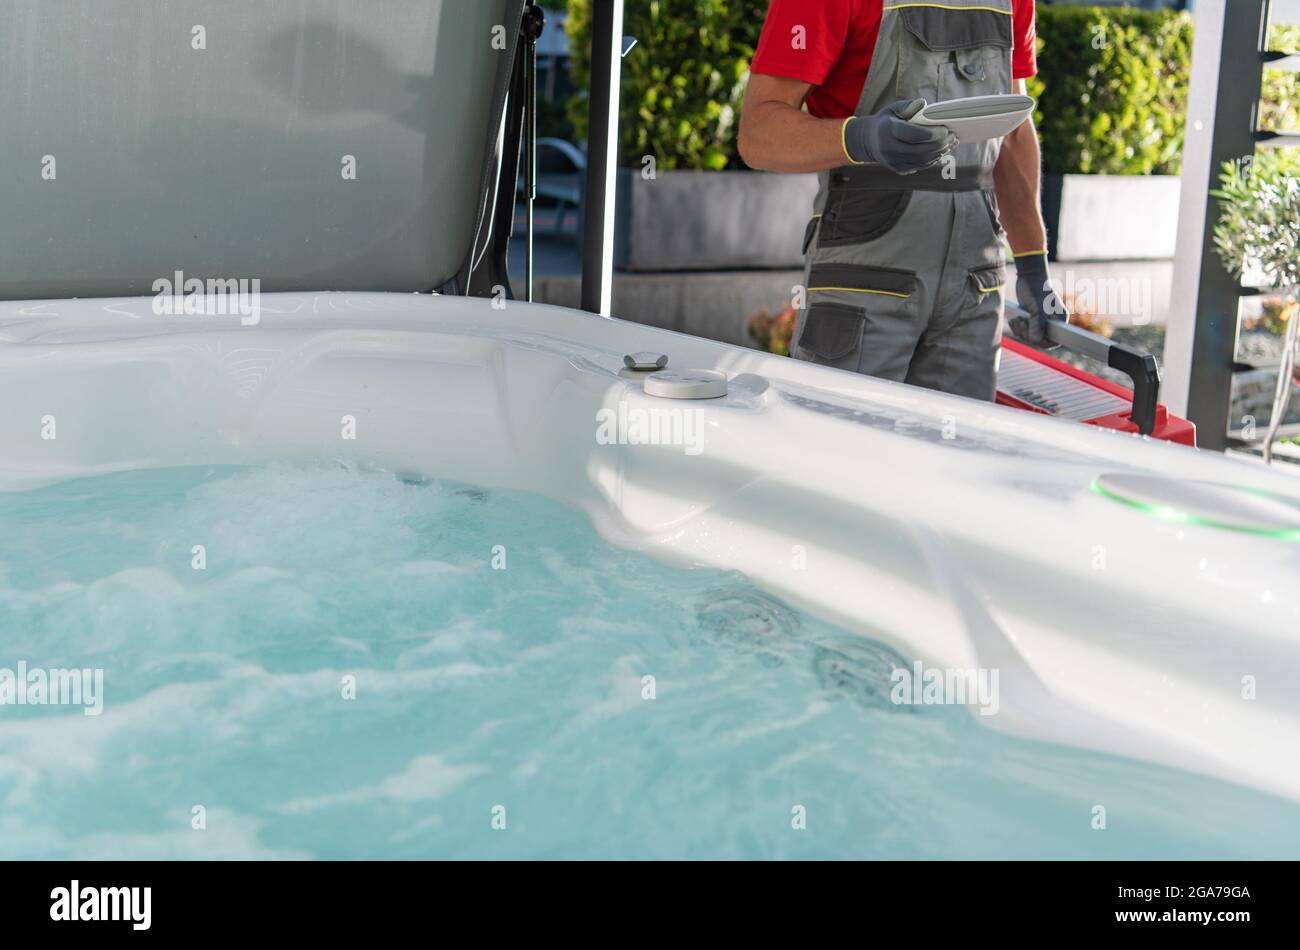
(904, 272)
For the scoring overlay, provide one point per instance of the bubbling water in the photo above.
(335, 662)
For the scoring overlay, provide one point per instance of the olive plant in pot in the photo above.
(1257, 234)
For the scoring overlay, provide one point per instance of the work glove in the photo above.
(1035, 294)
(887, 138)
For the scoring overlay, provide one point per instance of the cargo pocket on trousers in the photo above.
(861, 279)
(984, 300)
(832, 332)
(841, 298)
(989, 278)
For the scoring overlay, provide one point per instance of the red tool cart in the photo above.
(1039, 382)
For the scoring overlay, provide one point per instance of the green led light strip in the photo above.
(1173, 515)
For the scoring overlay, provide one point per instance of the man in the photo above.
(904, 256)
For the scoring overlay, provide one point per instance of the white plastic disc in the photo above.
(686, 384)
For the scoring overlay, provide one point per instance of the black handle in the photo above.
(1141, 368)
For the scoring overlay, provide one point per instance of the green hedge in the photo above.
(1112, 89)
(1280, 102)
(1112, 84)
(684, 81)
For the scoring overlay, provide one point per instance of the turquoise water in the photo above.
(487, 697)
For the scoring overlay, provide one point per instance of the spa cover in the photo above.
(314, 145)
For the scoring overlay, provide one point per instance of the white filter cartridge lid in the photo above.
(686, 384)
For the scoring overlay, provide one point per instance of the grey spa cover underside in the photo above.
(310, 144)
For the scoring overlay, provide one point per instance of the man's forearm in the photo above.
(777, 137)
(1016, 179)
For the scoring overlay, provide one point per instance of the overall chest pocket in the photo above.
(960, 52)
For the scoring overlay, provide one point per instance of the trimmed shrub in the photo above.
(1280, 101)
(683, 83)
(1112, 84)
(1112, 89)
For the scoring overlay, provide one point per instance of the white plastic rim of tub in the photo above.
(1213, 504)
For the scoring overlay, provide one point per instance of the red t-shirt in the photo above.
(841, 36)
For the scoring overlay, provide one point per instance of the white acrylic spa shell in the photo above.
(963, 534)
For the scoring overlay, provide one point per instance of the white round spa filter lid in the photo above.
(686, 384)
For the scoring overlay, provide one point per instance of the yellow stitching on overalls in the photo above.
(862, 290)
(946, 6)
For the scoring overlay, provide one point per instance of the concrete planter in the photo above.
(732, 220)
(1111, 217)
(736, 220)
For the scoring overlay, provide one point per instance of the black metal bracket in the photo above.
(534, 23)
(1229, 51)
(602, 132)
(518, 147)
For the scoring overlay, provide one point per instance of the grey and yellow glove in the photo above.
(888, 139)
(1034, 292)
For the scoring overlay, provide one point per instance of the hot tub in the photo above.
(1101, 620)
(1136, 597)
